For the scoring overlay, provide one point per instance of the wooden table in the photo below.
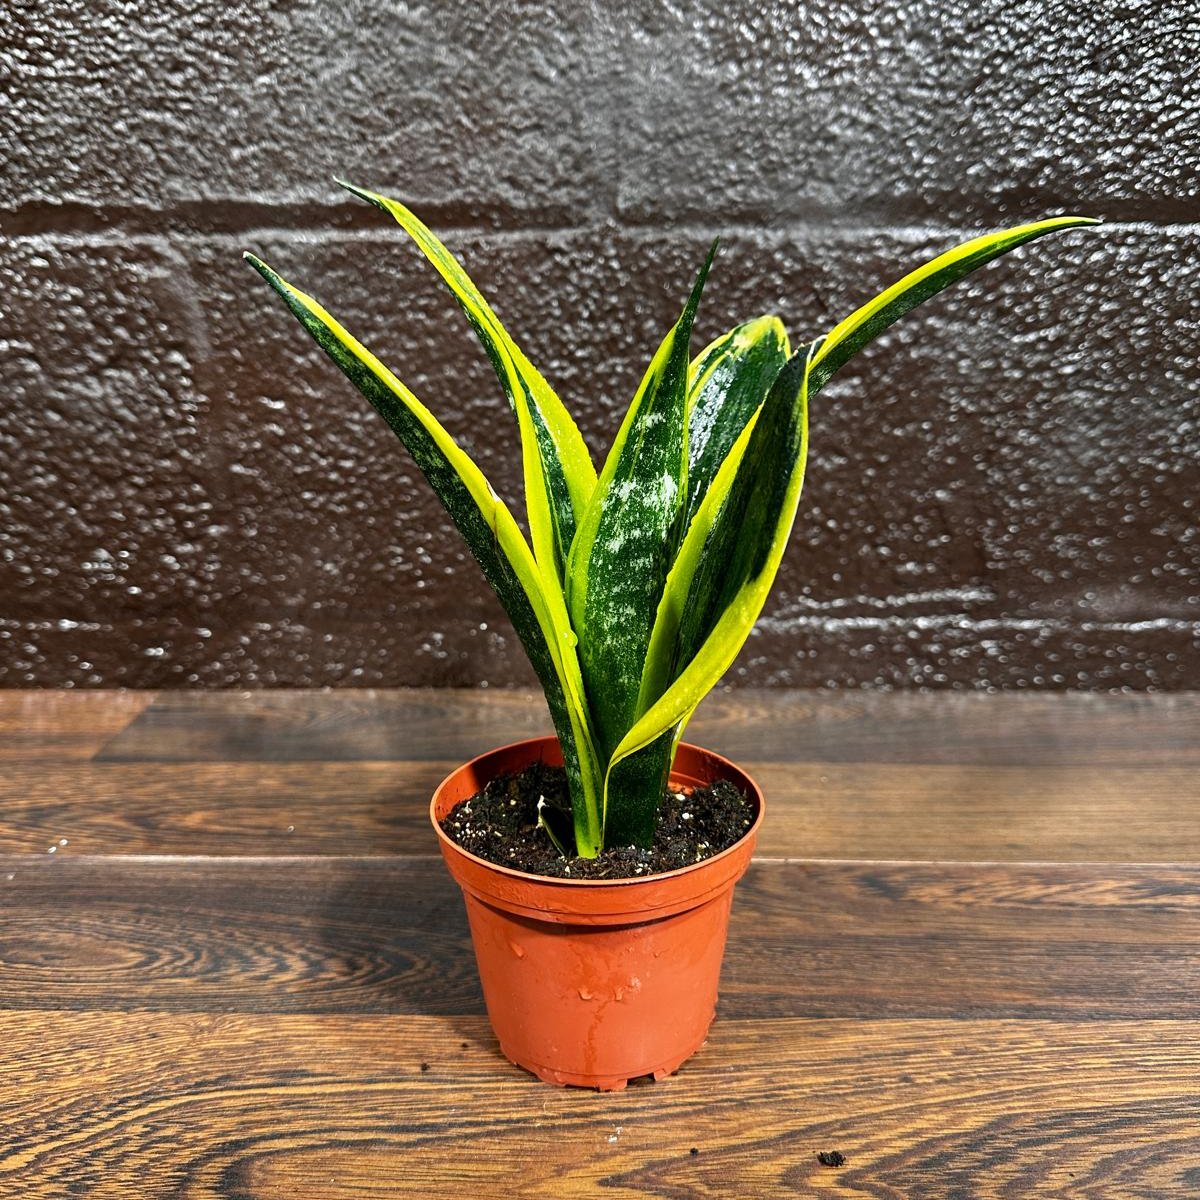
(231, 964)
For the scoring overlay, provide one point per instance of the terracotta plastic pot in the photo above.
(596, 982)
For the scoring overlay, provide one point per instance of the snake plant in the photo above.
(635, 589)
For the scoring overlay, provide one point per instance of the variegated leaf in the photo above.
(626, 539)
(727, 382)
(492, 535)
(848, 337)
(632, 790)
(706, 613)
(558, 471)
(730, 557)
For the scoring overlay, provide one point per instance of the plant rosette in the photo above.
(632, 590)
(596, 982)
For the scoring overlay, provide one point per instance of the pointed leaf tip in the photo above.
(362, 193)
(869, 320)
(1069, 221)
(491, 534)
(703, 276)
(258, 264)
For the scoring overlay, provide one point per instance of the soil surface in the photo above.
(500, 824)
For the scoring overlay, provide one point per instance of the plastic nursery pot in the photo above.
(596, 982)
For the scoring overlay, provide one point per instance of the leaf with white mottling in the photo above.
(558, 471)
(731, 555)
(538, 615)
(627, 539)
(727, 383)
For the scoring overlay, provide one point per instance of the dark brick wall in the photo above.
(1003, 491)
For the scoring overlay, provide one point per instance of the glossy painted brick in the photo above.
(1002, 491)
(223, 110)
(901, 111)
(1015, 457)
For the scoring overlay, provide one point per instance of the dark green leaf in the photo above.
(727, 382)
(627, 538)
(490, 532)
(869, 321)
(559, 476)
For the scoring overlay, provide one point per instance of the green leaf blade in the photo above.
(623, 549)
(731, 555)
(492, 535)
(629, 785)
(867, 322)
(558, 470)
(663, 652)
(727, 383)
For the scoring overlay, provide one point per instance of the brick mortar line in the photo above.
(120, 233)
(981, 627)
(1140, 625)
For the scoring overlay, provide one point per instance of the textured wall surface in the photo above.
(1003, 490)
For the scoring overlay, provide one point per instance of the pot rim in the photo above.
(755, 795)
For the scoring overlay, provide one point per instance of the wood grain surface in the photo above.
(967, 957)
(807, 938)
(236, 1105)
(1062, 778)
